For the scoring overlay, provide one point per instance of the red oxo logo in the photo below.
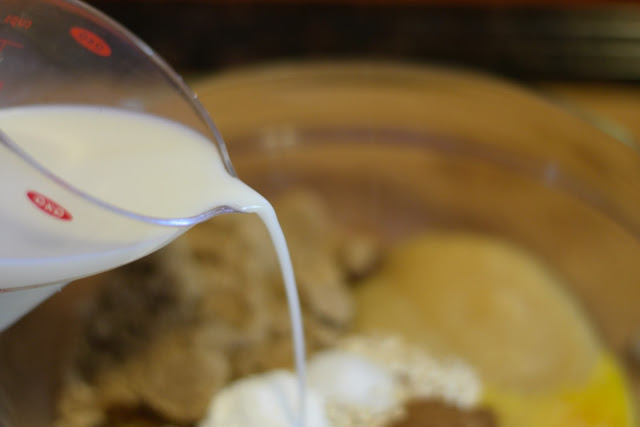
(48, 206)
(90, 41)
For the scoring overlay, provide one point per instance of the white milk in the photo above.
(137, 162)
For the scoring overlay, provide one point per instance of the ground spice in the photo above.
(436, 413)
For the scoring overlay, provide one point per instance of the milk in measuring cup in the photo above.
(135, 161)
(138, 162)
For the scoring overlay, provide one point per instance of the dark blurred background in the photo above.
(528, 40)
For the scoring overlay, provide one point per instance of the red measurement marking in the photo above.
(18, 22)
(90, 41)
(48, 206)
(4, 43)
(1, 84)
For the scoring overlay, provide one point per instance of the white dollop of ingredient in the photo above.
(362, 382)
(352, 380)
(419, 374)
(267, 400)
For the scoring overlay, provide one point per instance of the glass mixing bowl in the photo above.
(401, 149)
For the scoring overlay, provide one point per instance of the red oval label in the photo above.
(90, 41)
(48, 206)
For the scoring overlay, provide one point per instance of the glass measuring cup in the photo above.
(94, 130)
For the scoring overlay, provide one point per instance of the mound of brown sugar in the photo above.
(435, 413)
(168, 331)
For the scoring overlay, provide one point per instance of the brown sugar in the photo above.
(436, 413)
(167, 332)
